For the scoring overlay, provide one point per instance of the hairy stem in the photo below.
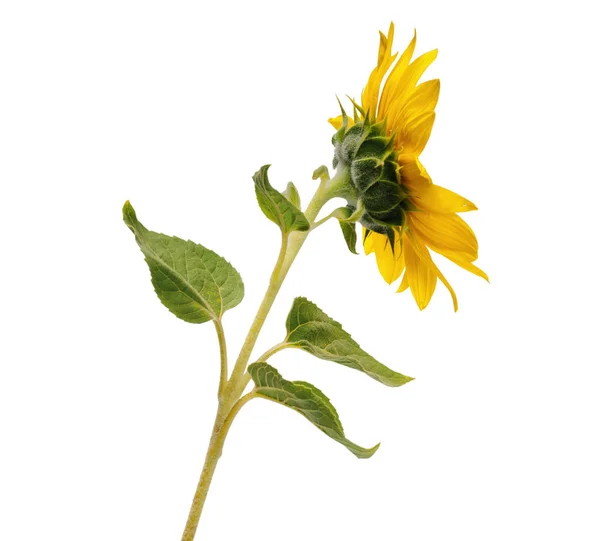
(290, 247)
(231, 390)
(223, 354)
(217, 439)
(245, 379)
(277, 277)
(271, 351)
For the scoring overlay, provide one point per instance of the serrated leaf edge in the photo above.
(132, 222)
(312, 349)
(261, 181)
(320, 397)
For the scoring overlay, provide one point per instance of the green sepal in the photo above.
(292, 195)
(348, 226)
(349, 232)
(311, 329)
(345, 121)
(307, 400)
(276, 206)
(193, 282)
(357, 108)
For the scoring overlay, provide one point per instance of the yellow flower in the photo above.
(407, 111)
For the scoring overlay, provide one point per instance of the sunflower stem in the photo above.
(290, 247)
(231, 390)
(263, 359)
(215, 448)
(223, 355)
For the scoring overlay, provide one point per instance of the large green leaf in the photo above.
(193, 282)
(307, 400)
(276, 206)
(312, 330)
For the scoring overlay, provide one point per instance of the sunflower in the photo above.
(420, 216)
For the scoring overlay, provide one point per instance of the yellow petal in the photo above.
(463, 260)
(444, 232)
(403, 283)
(383, 43)
(423, 99)
(390, 263)
(369, 241)
(391, 85)
(421, 278)
(413, 171)
(414, 136)
(379, 241)
(336, 122)
(428, 196)
(437, 199)
(423, 253)
(413, 72)
(370, 95)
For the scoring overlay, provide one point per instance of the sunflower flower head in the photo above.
(365, 154)
(388, 191)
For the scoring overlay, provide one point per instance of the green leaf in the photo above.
(276, 207)
(193, 282)
(312, 330)
(307, 400)
(292, 195)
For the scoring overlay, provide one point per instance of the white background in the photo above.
(107, 400)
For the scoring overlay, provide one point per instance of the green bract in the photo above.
(364, 155)
(344, 216)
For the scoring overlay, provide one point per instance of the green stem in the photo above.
(277, 277)
(323, 220)
(271, 351)
(223, 354)
(262, 359)
(290, 246)
(217, 439)
(230, 391)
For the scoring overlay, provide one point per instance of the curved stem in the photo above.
(271, 351)
(230, 390)
(277, 277)
(263, 358)
(290, 246)
(323, 220)
(223, 354)
(220, 430)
